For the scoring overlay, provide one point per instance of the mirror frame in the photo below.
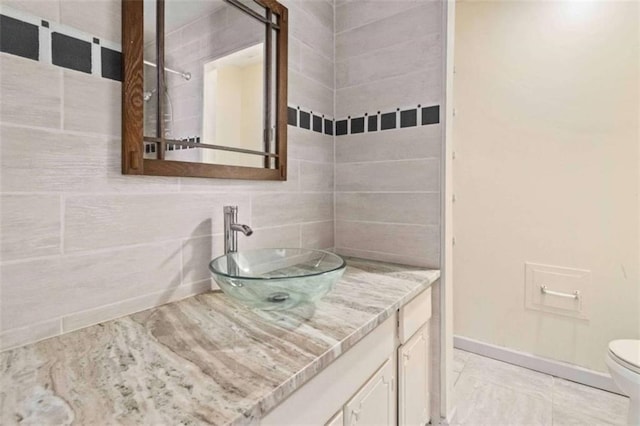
(133, 161)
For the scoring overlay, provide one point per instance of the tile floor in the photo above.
(490, 392)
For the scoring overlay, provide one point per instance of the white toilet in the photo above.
(623, 360)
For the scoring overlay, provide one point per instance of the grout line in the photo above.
(60, 130)
(409, 76)
(388, 192)
(181, 272)
(373, 82)
(309, 77)
(62, 100)
(397, 257)
(104, 250)
(251, 207)
(553, 386)
(308, 46)
(430, 40)
(390, 161)
(245, 193)
(62, 211)
(372, 222)
(374, 21)
(334, 136)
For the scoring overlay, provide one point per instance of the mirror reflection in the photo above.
(215, 101)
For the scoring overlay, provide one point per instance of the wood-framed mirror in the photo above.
(204, 89)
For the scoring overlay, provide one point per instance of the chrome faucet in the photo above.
(231, 229)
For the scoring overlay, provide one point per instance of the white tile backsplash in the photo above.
(408, 90)
(352, 14)
(411, 24)
(422, 54)
(48, 288)
(98, 17)
(389, 176)
(309, 94)
(112, 220)
(417, 244)
(91, 105)
(273, 209)
(43, 160)
(389, 207)
(405, 144)
(81, 243)
(316, 177)
(317, 235)
(310, 146)
(30, 92)
(31, 333)
(29, 226)
(387, 183)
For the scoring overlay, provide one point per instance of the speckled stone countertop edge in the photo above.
(62, 372)
(269, 402)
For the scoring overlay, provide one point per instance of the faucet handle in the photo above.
(230, 209)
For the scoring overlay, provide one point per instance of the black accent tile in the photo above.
(409, 118)
(388, 121)
(19, 38)
(305, 120)
(357, 125)
(292, 116)
(372, 123)
(431, 115)
(44, 23)
(70, 52)
(96, 40)
(328, 127)
(317, 123)
(341, 127)
(111, 64)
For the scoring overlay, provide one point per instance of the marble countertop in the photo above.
(201, 360)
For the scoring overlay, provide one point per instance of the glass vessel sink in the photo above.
(277, 279)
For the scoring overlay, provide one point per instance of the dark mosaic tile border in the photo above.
(49, 42)
(151, 147)
(80, 51)
(307, 119)
(368, 123)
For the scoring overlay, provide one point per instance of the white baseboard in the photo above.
(563, 370)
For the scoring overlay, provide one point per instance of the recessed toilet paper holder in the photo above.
(545, 290)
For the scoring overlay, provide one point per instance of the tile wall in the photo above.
(389, 88)
(82, 243)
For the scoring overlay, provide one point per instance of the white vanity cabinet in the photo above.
(375, 403)
(337, 419)
(382, 380)
(414, 362)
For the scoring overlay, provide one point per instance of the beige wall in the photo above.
(547, 170)
(80, 243)
(238, 113)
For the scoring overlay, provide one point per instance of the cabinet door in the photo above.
(337, 420)
(413, 379)
(375, 402)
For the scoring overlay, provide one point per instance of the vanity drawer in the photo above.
(414, 315)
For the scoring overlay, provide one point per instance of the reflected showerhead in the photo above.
(146, 96)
